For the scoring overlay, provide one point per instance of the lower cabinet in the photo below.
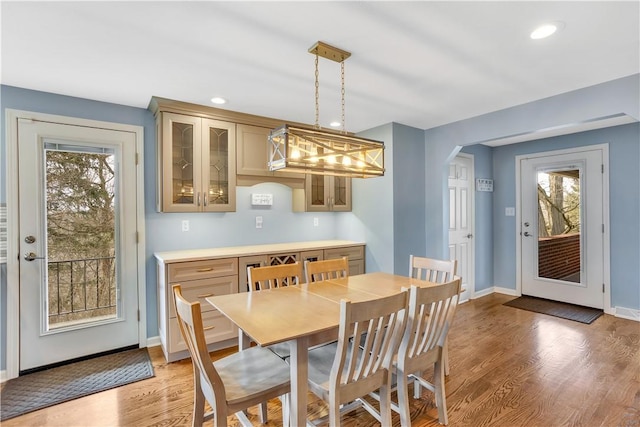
(221, 275)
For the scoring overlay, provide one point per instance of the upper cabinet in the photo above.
(197, 164)
(253, 153)
(323, 193)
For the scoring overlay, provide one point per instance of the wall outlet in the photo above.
(185, 225)
(258, 222)
(315, 221)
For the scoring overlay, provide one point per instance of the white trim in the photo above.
(13, 277)
(471, 280)
(3, 376)
(154, 341)
(495, 290)
(605, 216)
(627, 313)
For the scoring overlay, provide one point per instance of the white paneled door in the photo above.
(461, 245)
(562, 230)
(78, 253)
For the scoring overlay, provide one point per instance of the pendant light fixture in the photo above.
(325, 152)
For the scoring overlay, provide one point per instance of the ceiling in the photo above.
(422, 64)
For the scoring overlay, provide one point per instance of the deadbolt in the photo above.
(526, 224)
(30, 239)
(527, 234)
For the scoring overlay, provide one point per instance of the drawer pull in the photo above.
(206, 295)
(203, 270)
(208, 328)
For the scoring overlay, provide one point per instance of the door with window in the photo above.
(562, 227)
(78, 259)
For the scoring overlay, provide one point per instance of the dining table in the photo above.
(303, 315)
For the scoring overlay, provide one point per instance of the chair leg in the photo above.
(198, 400)
(441, 398)
(286, 401)
(334, 412)
(385, 405)
(417, 387)
(445, 356)
(263, 412)
(403, 399)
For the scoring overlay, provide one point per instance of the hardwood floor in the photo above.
(509, 367)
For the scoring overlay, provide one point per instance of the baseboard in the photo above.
(153, 341)
(627, 313)
(3, 376)
(494, 290)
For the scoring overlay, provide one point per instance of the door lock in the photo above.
(30, 256)
(30, 239)
(527, 234)
(468, 236)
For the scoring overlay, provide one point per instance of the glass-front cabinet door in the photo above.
(197, 167)
(328, 193)
(219, 166)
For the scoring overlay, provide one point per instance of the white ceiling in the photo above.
(422, 64)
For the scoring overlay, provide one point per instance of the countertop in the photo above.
(249, 250)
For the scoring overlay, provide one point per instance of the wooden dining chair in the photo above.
(342, 372)
(430, 314)
(231, 384)
(437, 271)
(316, 271)
(274, 276)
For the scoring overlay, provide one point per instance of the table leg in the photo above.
(299, 373)
(244, 342)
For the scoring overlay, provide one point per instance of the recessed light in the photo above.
(335, 124)
(545, 30)
(218, 100)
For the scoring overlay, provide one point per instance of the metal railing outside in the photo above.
(81, 289)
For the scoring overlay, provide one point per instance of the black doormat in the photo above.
(39, 390)
(577, 313)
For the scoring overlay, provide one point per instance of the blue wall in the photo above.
(624, 201)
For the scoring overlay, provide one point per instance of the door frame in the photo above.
(605, 216)
(471, 280)
(13, 238)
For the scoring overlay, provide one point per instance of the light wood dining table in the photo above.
(303, 315)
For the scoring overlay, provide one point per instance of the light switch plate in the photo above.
(510, 211)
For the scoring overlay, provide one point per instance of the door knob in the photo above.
(30, 256)
(527, 234)
(468, 236)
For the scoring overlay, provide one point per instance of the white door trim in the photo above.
(471, 280)
(605, 216)
(13, 276)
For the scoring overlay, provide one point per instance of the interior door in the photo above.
(562, 230)
(461, 245)
(77, 214)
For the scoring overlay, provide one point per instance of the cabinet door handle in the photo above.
(205, 199)
(203, 270)
(206, 295)
(208, 328)
(198, 198)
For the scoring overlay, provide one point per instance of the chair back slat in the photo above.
(430, 314)
(381, 322)
(316, 271)
(432, 270)
(274, 276)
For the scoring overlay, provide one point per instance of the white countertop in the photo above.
(240, 251)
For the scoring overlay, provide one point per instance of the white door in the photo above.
(78, 259)
(461, 245)
(562, 227)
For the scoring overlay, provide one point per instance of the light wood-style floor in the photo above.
(509, 367)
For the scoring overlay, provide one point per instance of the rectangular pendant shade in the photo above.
(321, 152)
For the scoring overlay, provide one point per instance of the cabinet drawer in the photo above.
(217, 328)
(192, 270)
(198, 290)
(352, 252)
